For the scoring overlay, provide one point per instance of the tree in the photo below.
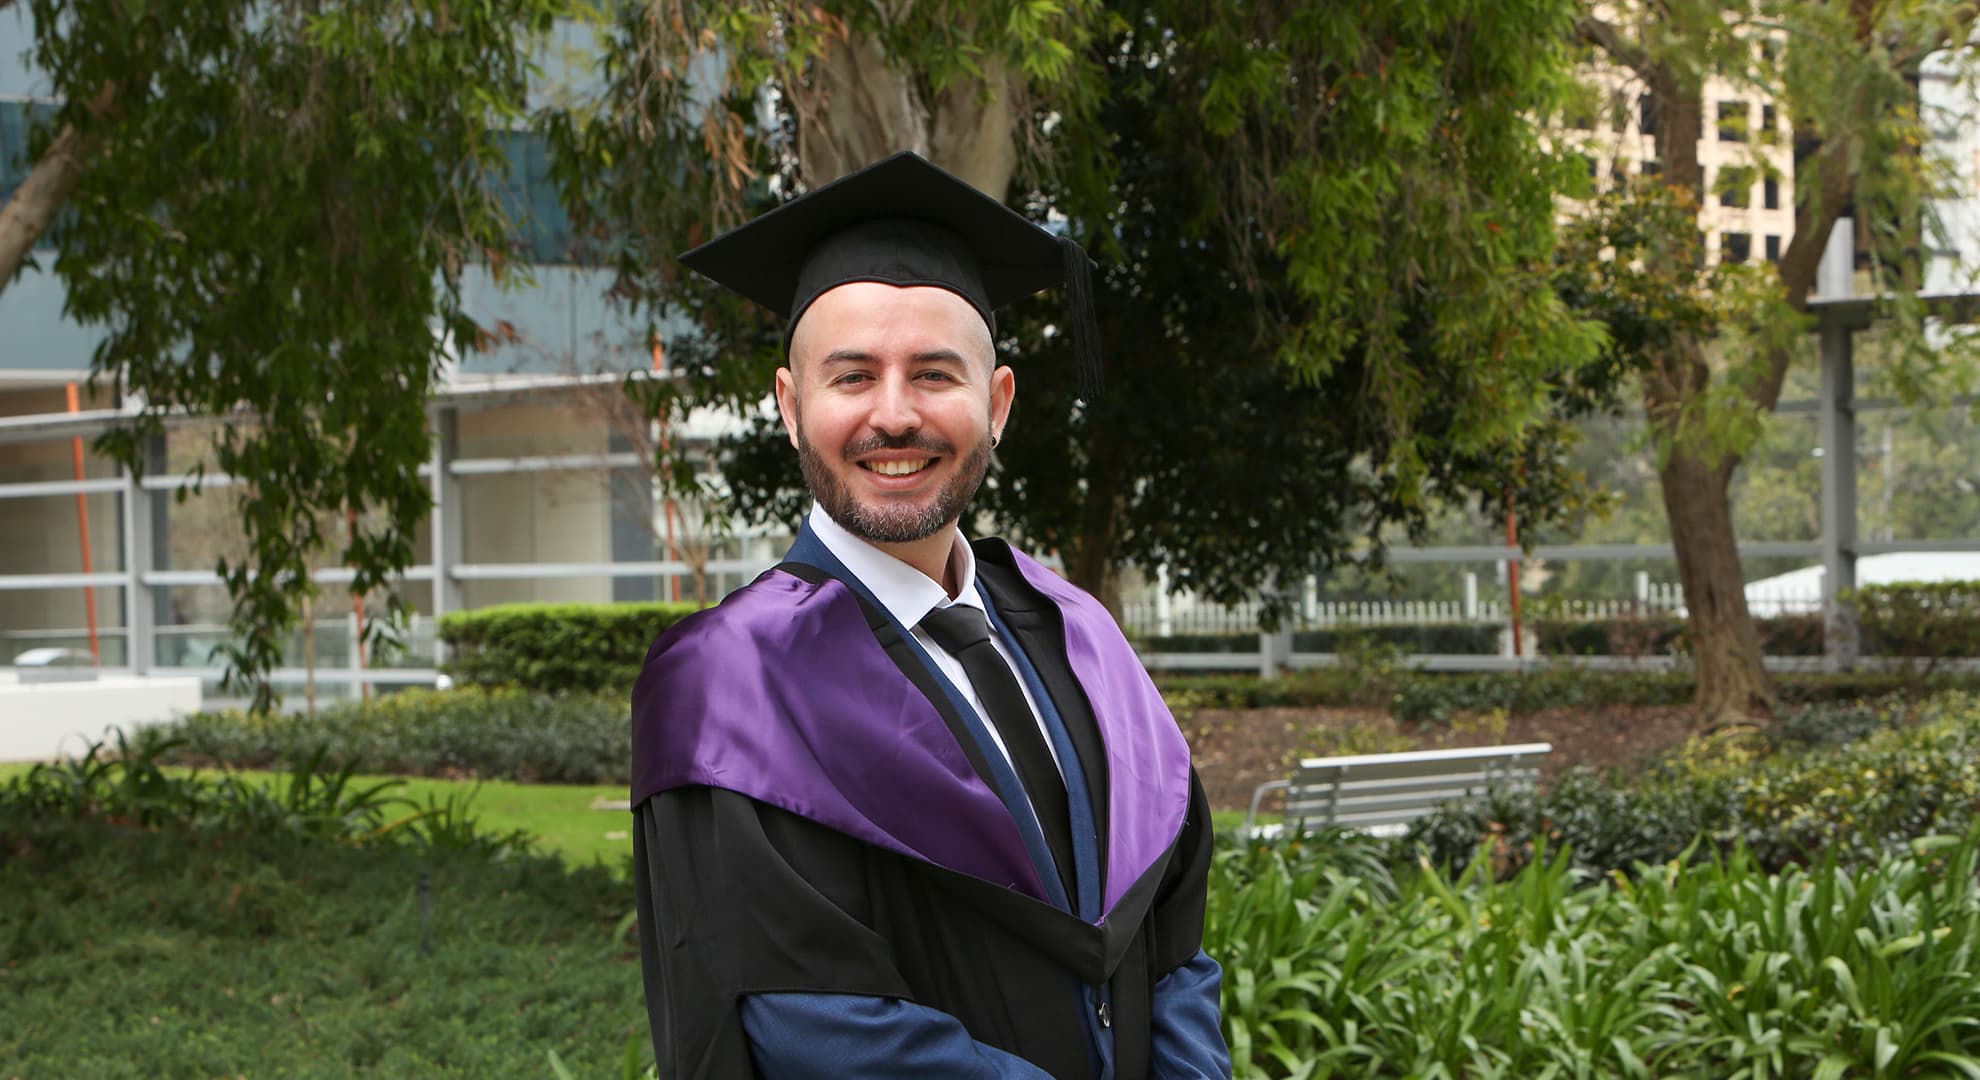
(1841, 73)
(1328, 230)
(272, 205)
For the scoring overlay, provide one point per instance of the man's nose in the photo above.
(896, 409)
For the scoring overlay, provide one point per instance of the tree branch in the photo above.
(27, 215)
(1606, 37)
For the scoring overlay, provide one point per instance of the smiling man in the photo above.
(907, 805)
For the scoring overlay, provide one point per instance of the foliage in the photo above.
(165, 950)
(553, 648)
(1920, 621)
(1420, 696)
(1710, 345)
(1365, 245)
(275, 228)
(316, 803)
(495, 733)
(1422, 638)
(1713, 969)
(1666, 635)
(1865, 783)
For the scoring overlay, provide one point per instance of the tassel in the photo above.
(1085, 320)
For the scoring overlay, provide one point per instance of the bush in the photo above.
(497, 734)
(1915, 771)
(1931, 622)
(1665, 635)
(589, 648)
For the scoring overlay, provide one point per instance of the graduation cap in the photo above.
(905, 222)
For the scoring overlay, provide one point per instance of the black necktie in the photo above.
(964, 633)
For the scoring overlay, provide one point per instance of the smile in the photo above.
(897, 468)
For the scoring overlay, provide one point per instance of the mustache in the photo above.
(913, 440)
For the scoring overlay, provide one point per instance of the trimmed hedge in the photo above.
(497, 733)
(1441, 638)
(1666, 635)
(1937, 621)
(555, 647)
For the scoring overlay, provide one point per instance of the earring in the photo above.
(994, 440)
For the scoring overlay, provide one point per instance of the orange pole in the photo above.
(1512, 574)
(82, 524)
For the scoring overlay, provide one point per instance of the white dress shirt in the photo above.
(908, 595)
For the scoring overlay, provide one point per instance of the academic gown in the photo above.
(818, 814)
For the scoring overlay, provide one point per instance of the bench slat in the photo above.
(1382, 792)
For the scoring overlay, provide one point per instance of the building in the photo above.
(541, 483)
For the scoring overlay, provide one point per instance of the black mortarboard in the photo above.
(903, 221)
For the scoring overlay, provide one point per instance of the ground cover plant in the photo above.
(1854, 780)
(1337, 965)
(158, 923)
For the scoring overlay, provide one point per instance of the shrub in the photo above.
(552, 648)
(1929, 622)
(1917, 771)
(498, 734)
(1665, 635)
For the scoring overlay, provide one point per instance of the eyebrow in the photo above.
(846, 356)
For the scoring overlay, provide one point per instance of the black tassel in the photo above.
(1085, 320)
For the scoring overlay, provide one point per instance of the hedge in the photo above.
(496, 733)
(555, 647)
(1933, 622)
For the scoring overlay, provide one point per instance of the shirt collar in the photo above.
(906, 593)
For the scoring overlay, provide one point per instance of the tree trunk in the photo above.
(857, 108)
(1725, 647)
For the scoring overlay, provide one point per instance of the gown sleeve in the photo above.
(1186, 1006)
(847, 1037)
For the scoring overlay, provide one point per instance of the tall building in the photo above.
(1746, 210)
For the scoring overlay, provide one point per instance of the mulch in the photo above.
(1237, 749)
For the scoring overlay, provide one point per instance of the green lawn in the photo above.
(560, 816)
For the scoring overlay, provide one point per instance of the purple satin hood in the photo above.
(783, 694)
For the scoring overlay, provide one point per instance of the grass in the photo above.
(165, 952)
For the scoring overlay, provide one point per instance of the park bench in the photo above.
(1381, 794)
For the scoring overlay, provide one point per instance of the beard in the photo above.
(893, 524)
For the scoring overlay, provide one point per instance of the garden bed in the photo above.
(1238, 749)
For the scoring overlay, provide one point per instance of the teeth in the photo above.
(897, 468)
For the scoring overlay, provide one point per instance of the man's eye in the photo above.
(850, 378)
(937, 376)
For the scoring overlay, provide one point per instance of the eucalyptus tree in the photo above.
(1711, 348)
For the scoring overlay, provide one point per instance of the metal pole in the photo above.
(1838, 420)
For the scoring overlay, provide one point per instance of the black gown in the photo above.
(737, 896)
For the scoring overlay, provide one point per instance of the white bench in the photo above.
(1381, 794)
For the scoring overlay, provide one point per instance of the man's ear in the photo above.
(1003, 394)
(787, 402)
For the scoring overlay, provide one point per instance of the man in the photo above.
(905, 805)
